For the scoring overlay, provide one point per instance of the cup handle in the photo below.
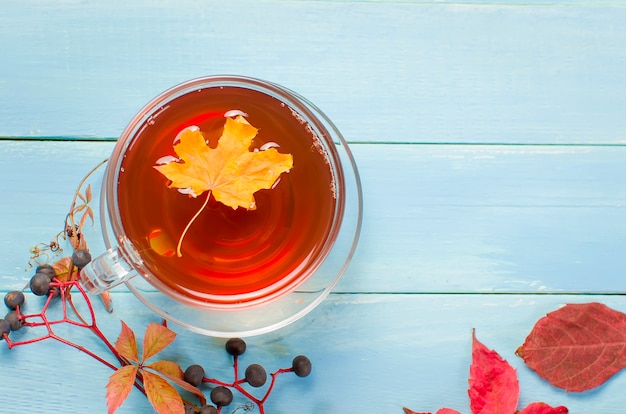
(106, 271)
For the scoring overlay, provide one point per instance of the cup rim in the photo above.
(151, 110)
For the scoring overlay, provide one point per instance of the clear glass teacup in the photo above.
(213, 265)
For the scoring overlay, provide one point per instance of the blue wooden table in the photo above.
(490, 137)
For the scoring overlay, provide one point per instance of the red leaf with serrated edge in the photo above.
(439, 411)
(577, 347)
(542, 408)
(493, 382)
(119, 386)
(126, 344)
(157, 338)
(162, 395)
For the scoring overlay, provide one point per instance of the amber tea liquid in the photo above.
(229, 256)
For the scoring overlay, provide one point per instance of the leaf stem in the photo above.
(180, 241)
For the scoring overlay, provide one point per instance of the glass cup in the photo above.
(236, 272)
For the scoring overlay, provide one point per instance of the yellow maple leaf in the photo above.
(230, 172)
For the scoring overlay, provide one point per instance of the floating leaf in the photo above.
(577, 347)
(162, 395)
(493, 382)
(119, 386)
(126, 344)
(230, 172)
(543, 408)
(157, 338)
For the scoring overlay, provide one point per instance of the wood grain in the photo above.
(526, 72)
(437, 218)
(490, 140)
(367, 357)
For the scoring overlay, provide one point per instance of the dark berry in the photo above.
(5, 327)
(301, 365)
(208, 409)
(221, 396)
(80, 258)
(14, 299)
(40, 284)
(194, 375)
(190, 409)
(256, 375)
(14, 321)
(46, 269)
(235, 346)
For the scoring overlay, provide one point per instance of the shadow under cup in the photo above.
(236, 271)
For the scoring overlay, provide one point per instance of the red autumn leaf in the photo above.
(119, 386)
(542, 408)
(577, 347)
(157, 338)
(126, 344)
(493, 387)
(493, 382)
(162, 395)
(439, 411)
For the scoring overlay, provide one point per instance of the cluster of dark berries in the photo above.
(44, 274)
(255, 375)
(12, 322)
(41, 284)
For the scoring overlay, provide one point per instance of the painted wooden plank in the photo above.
(370, 353)
(516, 72)
(437, 218)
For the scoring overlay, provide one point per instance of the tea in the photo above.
(229, 256)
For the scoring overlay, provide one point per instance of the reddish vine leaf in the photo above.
(162, 395)
(542, 408)
(439, 411)
(577, 347)
(126, 344)
(157, 338)
(176, 376)
(119, 386)
(170, 368)
(493, 382)
(164, 398)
